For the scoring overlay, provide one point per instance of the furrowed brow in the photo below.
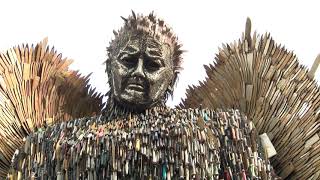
(129, 50)
(154, 52)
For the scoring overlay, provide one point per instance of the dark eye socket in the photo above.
(129, 61)
(152, 65)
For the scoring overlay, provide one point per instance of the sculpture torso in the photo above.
(161, 143)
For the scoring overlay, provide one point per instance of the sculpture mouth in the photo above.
(136, 87)
(136, 84)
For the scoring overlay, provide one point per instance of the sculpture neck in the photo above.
(115, 110)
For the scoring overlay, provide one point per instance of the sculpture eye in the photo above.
(152, 65)
(129, 61)
(153, 59)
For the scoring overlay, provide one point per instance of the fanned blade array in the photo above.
(37, 89)
(264, 80)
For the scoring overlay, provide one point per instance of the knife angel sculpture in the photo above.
(136, 136)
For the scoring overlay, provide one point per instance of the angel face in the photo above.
(141, 72)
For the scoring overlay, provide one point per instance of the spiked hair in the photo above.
(146, 25)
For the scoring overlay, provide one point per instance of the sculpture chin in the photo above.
(133, 98)
(134, 95)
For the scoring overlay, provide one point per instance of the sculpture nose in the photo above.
(139, 69)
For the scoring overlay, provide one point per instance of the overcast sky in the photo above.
(81, 30)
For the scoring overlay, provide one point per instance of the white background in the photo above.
(81, 30)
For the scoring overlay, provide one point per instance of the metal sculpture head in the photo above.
(143, 63)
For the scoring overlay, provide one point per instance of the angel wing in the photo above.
(38, 89)
(264, 80)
